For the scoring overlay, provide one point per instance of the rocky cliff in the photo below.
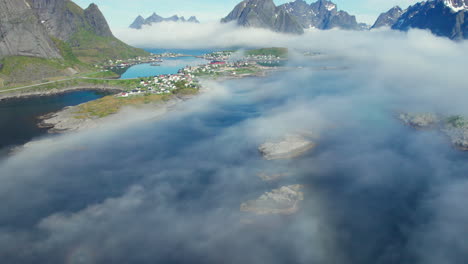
(263, 14)
(86, 31)
(34, 31)
(389, 18)
(22, 34)
(321, 15)
(140, 21)
(446, 18)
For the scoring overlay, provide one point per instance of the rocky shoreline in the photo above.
(454, 127)
(281, 201)
(39, 93)
(289, 147)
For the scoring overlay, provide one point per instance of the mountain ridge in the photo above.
(263, 14)
(140, 21)
(445, 18)
(321, 14)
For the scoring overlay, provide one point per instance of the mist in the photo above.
(169, 190)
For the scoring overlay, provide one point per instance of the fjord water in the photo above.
(167, 66)
(19, 117)
(174, 185)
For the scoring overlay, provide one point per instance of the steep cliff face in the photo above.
(21, 33)
(63, 18)
(86, 31)
(388, 18)
(448, 18)
(263, 14)
(321, 15)
(96, 20)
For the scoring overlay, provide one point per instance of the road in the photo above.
(63, 80)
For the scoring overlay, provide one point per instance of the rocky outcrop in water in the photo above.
(21, 32)
(290, 146)
(284, 200)
(263, 14)
(420, 120)
(140, 21)
(454, 127)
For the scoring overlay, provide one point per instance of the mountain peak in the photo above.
(456, 5)
(155, 18)
(263, 14)
(442, 17)
(388, 18)
(321, 14)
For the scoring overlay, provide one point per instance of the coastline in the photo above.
(49, 92)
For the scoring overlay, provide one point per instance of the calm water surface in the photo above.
(19, 117)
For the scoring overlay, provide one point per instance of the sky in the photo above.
(121, 13)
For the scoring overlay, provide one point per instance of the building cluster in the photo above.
(163, 84)
(218, 56)
(216, 67)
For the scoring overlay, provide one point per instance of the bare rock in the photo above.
(291, 146)
(284, 200)
(419, 120)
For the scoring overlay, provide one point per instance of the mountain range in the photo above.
(446, 18)
(263, 14)
(154, 18)
(292, 17)
(321, 15)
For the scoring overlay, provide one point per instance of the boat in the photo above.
(155, 64)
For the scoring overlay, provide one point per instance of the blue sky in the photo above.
(120, 13)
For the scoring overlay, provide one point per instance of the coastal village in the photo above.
(221, 65)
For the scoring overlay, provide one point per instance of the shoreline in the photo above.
(51, 92)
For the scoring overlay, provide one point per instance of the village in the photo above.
(223, 64)
(187, 77)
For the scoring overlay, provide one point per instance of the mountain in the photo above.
(22, 34)
(48, 38)
(447, 18)
(154, 18)
(263, 14)
(389, 18)
(86, 31)
(321, 15)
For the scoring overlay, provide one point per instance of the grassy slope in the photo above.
(82, 50)
(91, 48)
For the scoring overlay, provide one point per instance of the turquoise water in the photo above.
(197, 52)
(168, 66)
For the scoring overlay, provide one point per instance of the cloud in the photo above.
(169, 190)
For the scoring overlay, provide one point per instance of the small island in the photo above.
(282, 201)
(455, 127)
(291, 146)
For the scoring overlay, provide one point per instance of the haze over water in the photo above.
(169, 190)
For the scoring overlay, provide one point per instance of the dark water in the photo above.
(19, 117)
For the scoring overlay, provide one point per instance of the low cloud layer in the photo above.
(169, 190)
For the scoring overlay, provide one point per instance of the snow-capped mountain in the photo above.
(448, 18)
(155, 18)
(322, 14)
